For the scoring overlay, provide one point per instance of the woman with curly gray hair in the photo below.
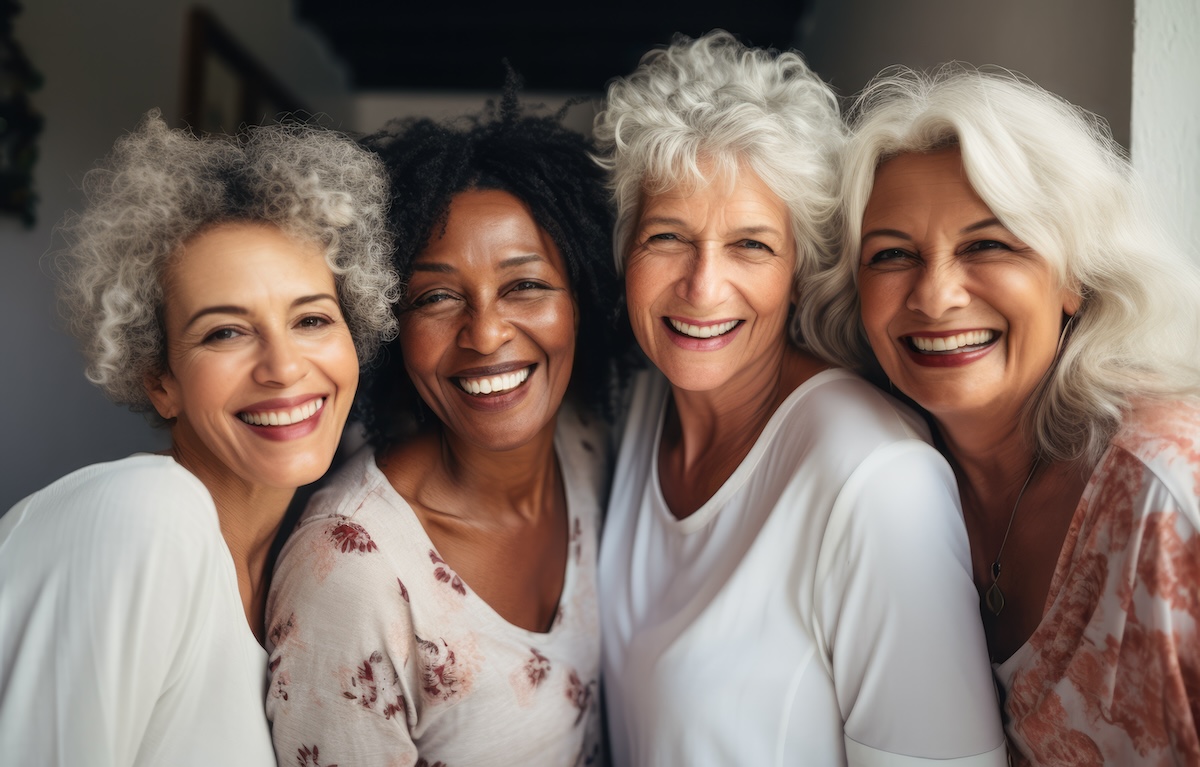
(1002, 270)
(768, 596)
(232, 286)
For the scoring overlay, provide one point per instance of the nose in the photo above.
(485, 330)
(940, 286)
(702, 284)
(281, 362)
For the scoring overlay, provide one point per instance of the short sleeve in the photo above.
(340, 638)
(104, 596)
(898, 617)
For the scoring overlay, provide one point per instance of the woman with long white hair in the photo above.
(1001, 269)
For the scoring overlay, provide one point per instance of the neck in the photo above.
(734, 415)
(250, 517)
(991, 457)
(470, 481)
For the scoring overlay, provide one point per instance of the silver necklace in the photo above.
(994, 597)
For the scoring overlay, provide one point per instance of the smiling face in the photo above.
(709, 281)
(488, 336)
(963, 316)
(261, 368)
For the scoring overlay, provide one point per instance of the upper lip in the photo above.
(492, 370)
(280, 403)
(700, 323)
(945, 333)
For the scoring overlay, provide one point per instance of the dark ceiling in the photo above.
(455, 45)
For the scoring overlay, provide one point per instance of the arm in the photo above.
(341, 641)
(898, 616)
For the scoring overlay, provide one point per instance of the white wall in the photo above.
(1079, 49)
(1166, 112)
(105, 64)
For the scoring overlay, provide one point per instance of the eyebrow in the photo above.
(984, 224)
(508, 263)
(745, 231)
(242, 311)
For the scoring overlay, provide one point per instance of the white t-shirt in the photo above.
(123, 640)
(382, 655)
(818, 609)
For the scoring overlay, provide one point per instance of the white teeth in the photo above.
(284, 417)
(494, 384)
(952, 343)
(703, 331)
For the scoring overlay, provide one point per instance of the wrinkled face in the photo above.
(488, 336)
(709, 281)
(261, 368)
(963, 316)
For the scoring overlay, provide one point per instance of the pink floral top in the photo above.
(1112, 673)
(382, 655)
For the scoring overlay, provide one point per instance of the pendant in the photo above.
(994, 599)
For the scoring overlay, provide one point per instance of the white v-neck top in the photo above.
(382, 655)
(123, 640)
(818, 609)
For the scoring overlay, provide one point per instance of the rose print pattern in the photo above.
(363, 687)
(349, 537)
(1112, 674)
(443, 573)
(310, 756)
(581, 695)
(439, 670)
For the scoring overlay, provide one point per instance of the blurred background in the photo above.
(74, 75)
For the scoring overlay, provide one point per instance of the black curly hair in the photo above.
(549, 168)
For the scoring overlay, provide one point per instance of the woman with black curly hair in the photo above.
(437, 603)
(224, 285)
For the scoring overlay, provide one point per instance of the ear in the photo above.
(1072, 299)
(163, 391)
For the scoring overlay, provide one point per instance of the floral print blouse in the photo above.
(380, 654)
(1112, 673)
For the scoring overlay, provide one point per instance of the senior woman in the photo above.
(784, 570)
(227, 285)
(1013, 285)
(437, 604)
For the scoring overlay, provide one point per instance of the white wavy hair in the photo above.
(160, 187)
(1052, 174)
(714, 100)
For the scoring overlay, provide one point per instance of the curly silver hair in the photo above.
(1052, 174)
(160, 187)
(715, 100)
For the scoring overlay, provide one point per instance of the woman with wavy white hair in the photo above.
(1002, 270)
(784, 570)
(232, 287)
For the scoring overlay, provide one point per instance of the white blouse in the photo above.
(123, 640)
(818, 609)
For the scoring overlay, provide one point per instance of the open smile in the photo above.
(484, 386)
(286, 417)
(960, 343)
(702, 331)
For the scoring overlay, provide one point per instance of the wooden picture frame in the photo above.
(225, 87)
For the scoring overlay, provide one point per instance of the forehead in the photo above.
(922, 181)
(729, 195)
(243, 262)
(488, 224)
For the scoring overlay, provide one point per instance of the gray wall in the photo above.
(105, 64)
(1080, 49)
